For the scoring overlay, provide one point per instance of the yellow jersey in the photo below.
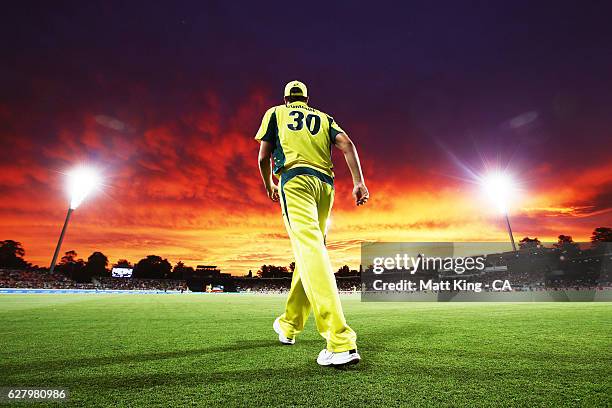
(301, 135)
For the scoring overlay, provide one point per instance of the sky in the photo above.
(164, 100)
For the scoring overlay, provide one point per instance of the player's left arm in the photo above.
(340, 139)
(265, 169)
(361, 193)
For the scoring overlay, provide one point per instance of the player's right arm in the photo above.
(266, 137)
(265, 169)
(360, 191)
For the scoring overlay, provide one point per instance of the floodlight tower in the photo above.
(500, 187)
(510, 231)
(81, 182)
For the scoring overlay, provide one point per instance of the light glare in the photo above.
(500, 188)
(81, 182)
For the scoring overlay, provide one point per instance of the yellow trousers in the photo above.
(307, 196)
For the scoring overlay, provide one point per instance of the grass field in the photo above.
(190, 350)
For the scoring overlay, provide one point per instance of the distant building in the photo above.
(209, 272)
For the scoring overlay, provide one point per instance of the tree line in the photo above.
(600, 234)
(97, 265)
(12, 256)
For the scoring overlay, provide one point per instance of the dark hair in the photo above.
(296, 98)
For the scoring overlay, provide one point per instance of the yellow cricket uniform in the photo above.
(303, 137)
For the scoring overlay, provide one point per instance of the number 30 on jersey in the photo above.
(313, 122)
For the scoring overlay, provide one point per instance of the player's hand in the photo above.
(360, 194)
(273, 192)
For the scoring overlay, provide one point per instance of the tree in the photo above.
(344, 271)
(602, 234)
(152, 267)
(292, 266)
(123, 263)
(180, 271)
(527, 243)
(69, 257)
(11, 254)
(273, 271)
(96, 264)
(564, 239)
(72, 267)
(566, 245)
(565, 242)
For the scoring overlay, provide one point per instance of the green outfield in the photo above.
(203, 350)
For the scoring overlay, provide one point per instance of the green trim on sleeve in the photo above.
(272, 130)
(333, 132)
(278, 155)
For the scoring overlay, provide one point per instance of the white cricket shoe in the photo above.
(281, 337)
(328, 358)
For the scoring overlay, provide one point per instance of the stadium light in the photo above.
(500, 189)
(81, 182)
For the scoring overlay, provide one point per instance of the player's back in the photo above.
(302, 136)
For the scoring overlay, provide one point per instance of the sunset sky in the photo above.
(165, 99)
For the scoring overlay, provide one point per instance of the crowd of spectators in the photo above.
(269, 285)
(37, 280)
(349, 284)
(41, 280)
(520, 281)
(282, 285)
(141, 284)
